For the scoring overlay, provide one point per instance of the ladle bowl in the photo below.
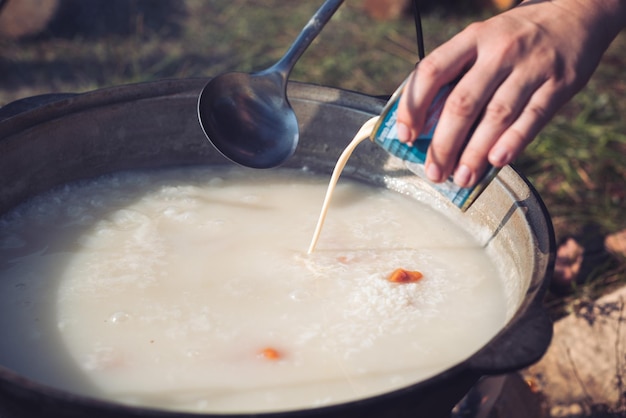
(248, 117)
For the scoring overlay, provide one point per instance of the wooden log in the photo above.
(393, 9)
(25, 18)
(386, 9)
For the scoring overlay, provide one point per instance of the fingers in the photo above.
(532, 119)
(513, 116)
(497, 107)
(502, 113)
(505, 131)
(441, 67)
(463, 108)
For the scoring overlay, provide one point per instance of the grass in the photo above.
(353, 52)
(578, 162)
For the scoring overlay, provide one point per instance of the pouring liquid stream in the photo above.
(363, 134)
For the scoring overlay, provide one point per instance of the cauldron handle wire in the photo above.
(418, 30)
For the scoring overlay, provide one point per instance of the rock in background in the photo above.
(583, 372)
(24, 19)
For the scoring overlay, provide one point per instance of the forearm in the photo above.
(603, 19)
(606, 17)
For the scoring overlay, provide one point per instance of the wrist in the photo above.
(603, 18)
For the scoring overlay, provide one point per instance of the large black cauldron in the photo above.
(47, 141)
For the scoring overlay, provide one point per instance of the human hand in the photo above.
(516, 70)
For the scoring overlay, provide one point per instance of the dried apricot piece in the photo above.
(404, 276)
(270, 353)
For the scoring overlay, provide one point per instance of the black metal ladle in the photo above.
(247, 117)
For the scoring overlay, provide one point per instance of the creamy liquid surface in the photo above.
(171, 289)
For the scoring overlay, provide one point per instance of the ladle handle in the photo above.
(306, 36)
